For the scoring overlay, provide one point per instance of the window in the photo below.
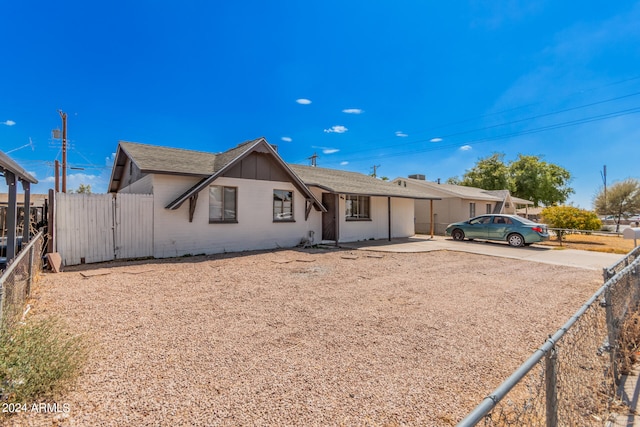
(489, 209)
(223, 204)
(472, 209)
(282, 205)
(357, 207)
(484, 219)
(502, 220)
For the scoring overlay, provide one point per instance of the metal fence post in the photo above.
(612, 333)
(550, 375)
(1, 302)
(30, 279)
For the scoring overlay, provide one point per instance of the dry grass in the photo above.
(593, 242)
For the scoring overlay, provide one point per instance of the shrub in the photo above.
(570, 217)
(38, 359)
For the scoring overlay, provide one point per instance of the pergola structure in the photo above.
(13, 174)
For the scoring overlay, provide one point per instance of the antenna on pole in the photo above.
(313, 159)
(604, 180)
(375, 170)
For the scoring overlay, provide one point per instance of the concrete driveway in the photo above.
(536, 253)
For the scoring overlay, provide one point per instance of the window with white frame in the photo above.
(357, 207)
(489, 208)
(472, 209)
(282, 205)
(223, 204)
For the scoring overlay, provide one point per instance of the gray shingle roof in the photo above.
(344, 182)
(456, 190)
(156, 159)
(152, 158)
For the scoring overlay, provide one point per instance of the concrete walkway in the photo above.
(536, 253)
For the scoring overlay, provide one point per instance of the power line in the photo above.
(465, 132)
(513, 134)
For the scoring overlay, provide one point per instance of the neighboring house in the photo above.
(248, 198)
(458, 203)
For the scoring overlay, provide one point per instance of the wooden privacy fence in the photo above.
(103, 227)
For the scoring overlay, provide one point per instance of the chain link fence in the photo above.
(16, 280)
(571, 379)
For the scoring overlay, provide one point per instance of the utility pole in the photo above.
(604, 180)
(313, 159)
(56, 167)
(63, 115)
(375, 171)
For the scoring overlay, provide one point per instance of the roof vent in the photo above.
(417, 176)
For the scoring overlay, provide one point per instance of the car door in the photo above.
(499, 227)
(478, 227)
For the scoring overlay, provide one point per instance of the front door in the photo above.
(329, 217)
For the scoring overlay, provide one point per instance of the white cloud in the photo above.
(344, 163)
(303, 101)
(286, 139)
(435, 140)
(8, 123)
(353, 111)
(326, 150)
(466, 148)
(336, 129)
(401, 134)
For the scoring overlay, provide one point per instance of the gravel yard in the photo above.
(314, 337)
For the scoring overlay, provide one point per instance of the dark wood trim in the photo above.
(275, 221)
(226, 221)
(349, 219)
(193, 200)
(307, 208)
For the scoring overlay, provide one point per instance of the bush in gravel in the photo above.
(38, 359)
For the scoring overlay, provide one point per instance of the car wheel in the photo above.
(515, 240)
(457, 234)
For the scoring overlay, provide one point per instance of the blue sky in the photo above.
(409, 86)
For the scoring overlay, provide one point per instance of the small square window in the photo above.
(282, 205)
(223, 204)
(357, 207)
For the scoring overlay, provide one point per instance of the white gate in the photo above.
(102, 227)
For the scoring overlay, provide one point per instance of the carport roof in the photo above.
(7, 164)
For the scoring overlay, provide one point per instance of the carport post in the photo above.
(12, 213)
(431, 214)
(389, 214)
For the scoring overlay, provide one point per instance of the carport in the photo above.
(13, 174)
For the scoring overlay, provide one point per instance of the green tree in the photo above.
(533, 179)
(489, 173)
(621, 198)
(570, 217)
(84, 189)
(527, 177)
(454, 180)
